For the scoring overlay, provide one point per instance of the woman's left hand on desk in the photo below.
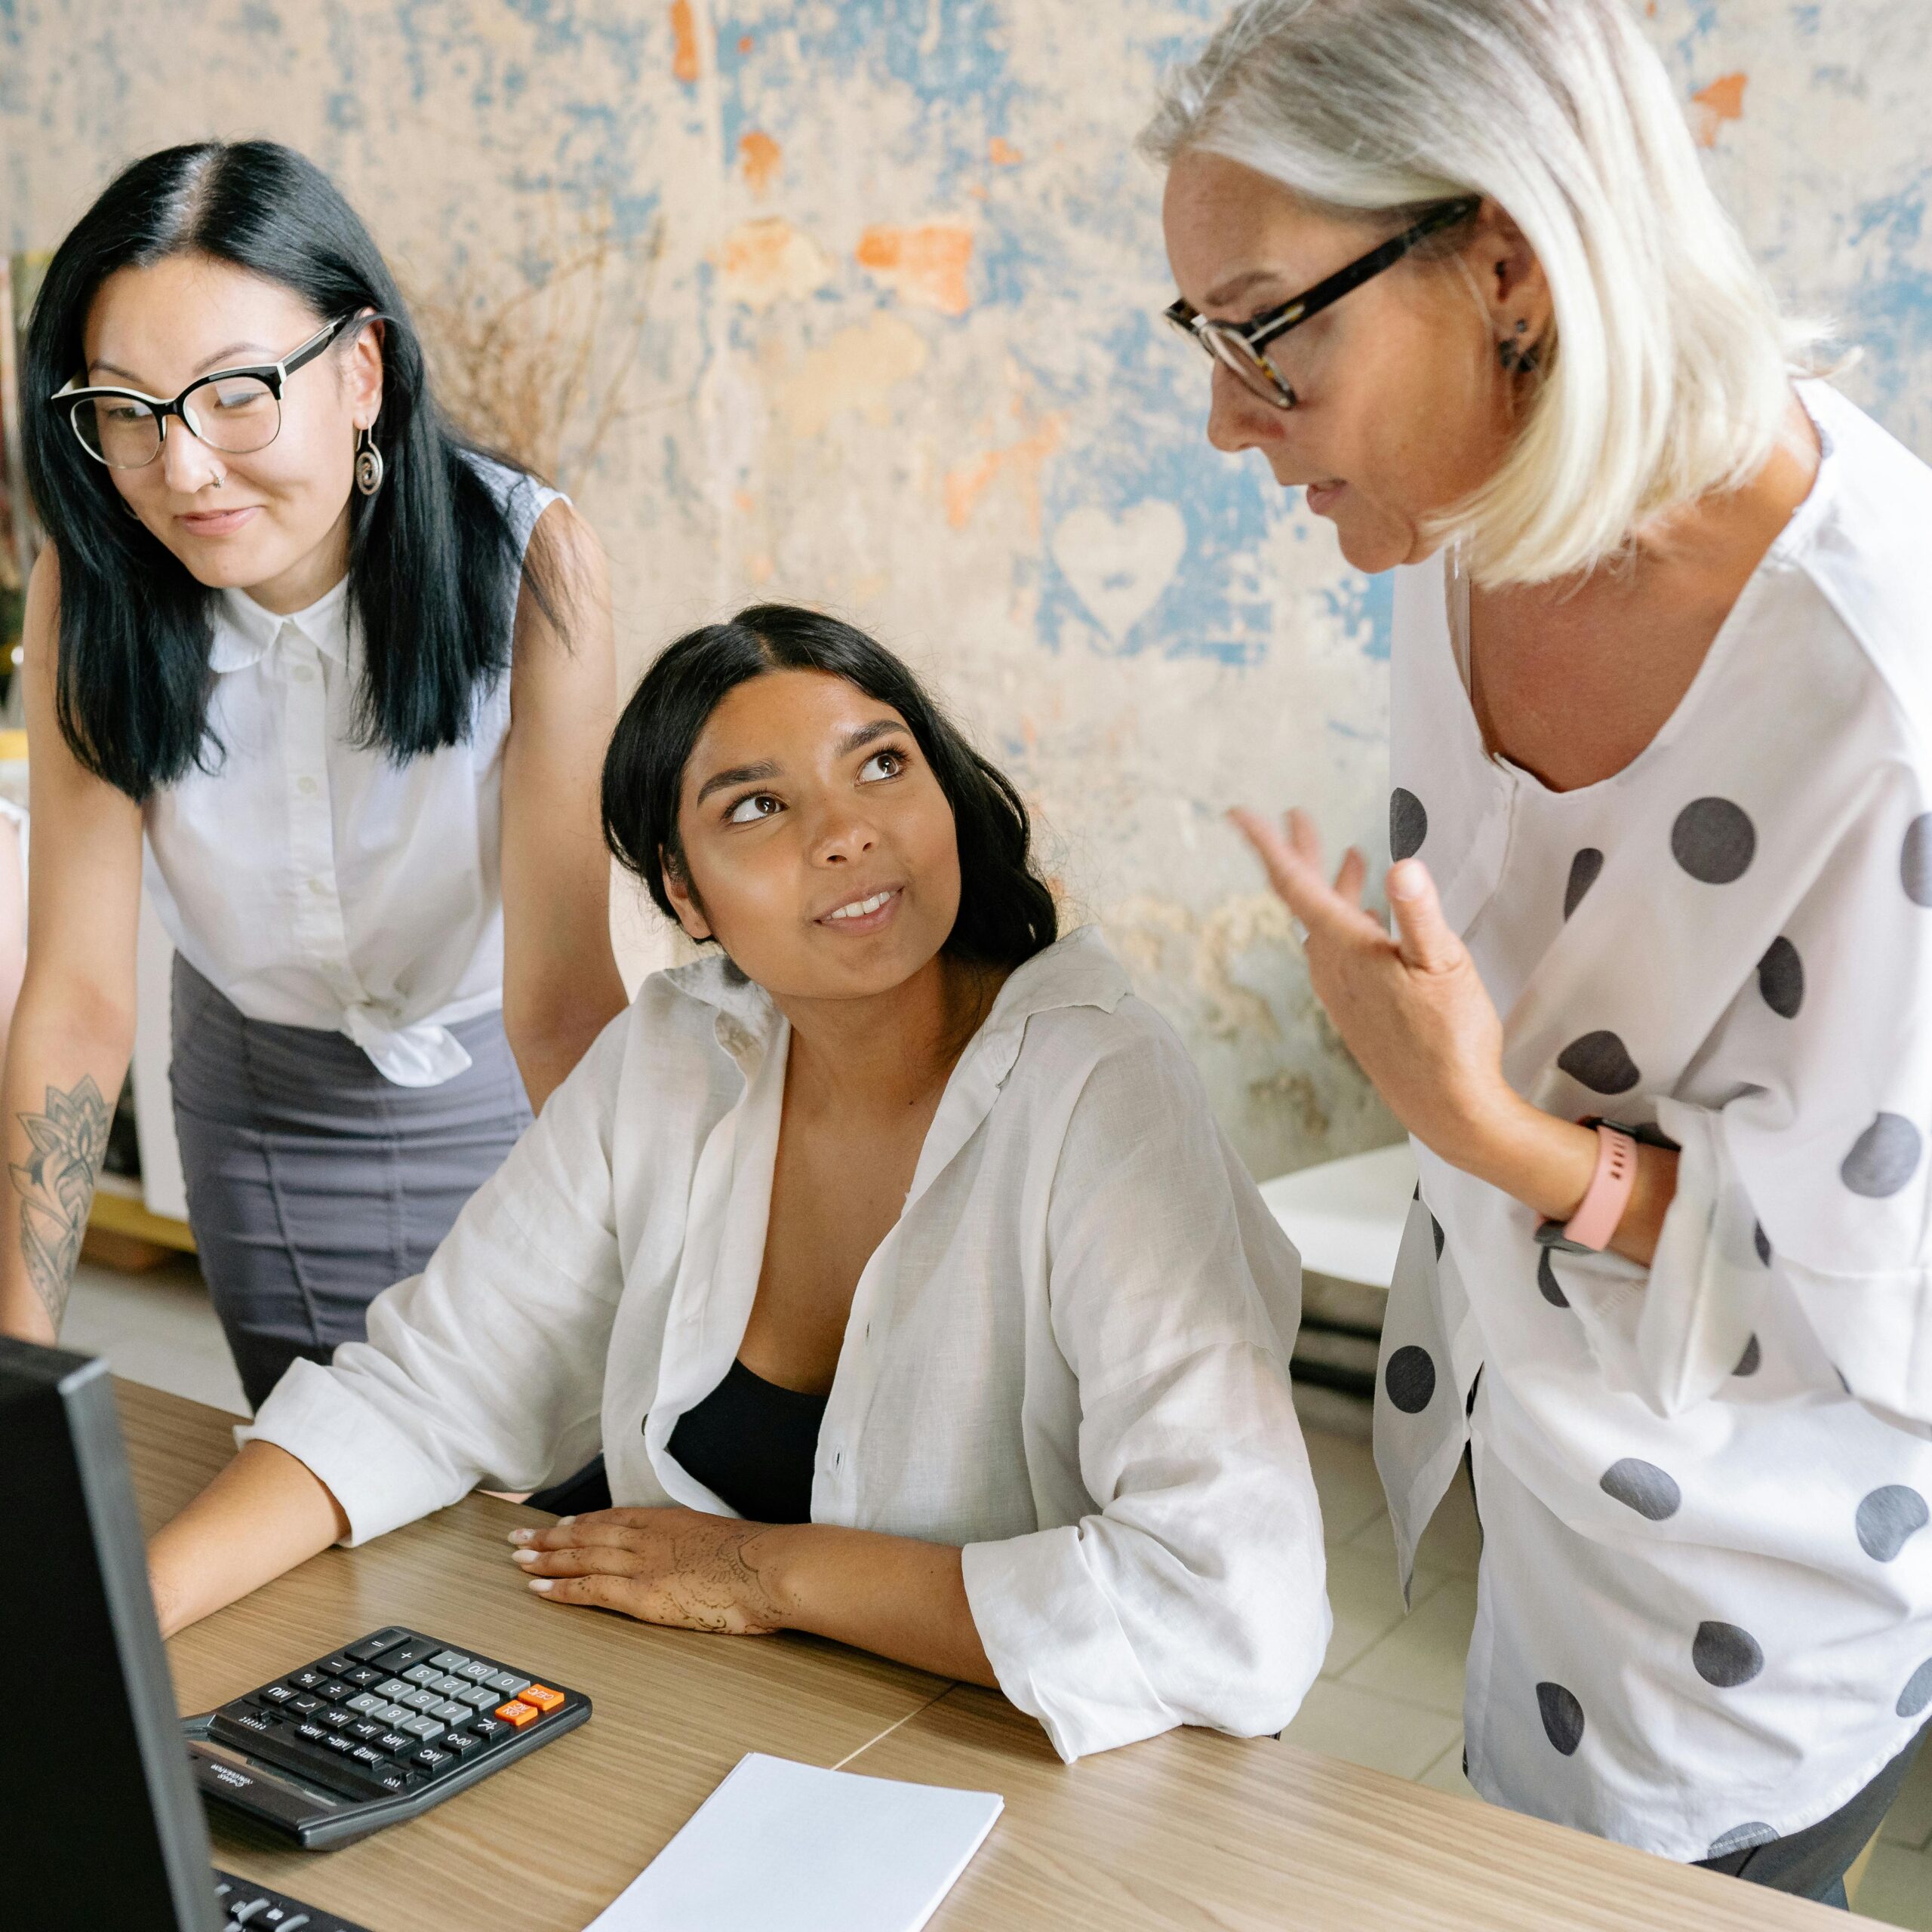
(662, 1566)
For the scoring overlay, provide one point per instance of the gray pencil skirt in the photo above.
(313, 1183)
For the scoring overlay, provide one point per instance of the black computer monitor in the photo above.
(101, 1822)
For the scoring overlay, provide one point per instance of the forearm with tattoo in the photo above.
(56, 1186)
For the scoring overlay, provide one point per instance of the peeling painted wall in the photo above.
(869, 291)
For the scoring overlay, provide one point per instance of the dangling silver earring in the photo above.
(368, 463)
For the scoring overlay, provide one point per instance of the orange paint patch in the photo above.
(744, 43)
(762, 158)
(769, 260)
(1723, 100)
(684, 42)
(1022, 461)
(1003, 153)
(926, 265)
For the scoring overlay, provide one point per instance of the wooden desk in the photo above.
(1192, 1830)
(547, 1844)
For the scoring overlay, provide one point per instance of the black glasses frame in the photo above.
(1245, 355)
(273, 375)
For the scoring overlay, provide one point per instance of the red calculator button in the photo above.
(518, 1713)
(541, 1695)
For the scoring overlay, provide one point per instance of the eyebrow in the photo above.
(738, 774)
(1226, 292)
(214, 361)
(880, 728)
(747, 774)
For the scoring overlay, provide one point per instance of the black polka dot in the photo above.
(1915, 861)
(1726, 1656)
(1714, 841)
(1562, 1717)
(1762, 1241)
(1408, 824)
(1599, 1062)
(1435, 1229)
(1553, 1289)
(1741, 1838)
(1917, 1692)
(1409, 1379)
(1781, 979)
(1883, 1159)
(1751, 1360)
(1889, 1519)
(1583, 870)
(1642, 1487)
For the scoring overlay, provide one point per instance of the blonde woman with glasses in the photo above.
(1657, 1007)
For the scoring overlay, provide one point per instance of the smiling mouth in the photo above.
(863, 914)
(204, 521)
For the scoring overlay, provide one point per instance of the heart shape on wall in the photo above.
(1120, 565)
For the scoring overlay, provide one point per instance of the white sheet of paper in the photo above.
(781, 1846)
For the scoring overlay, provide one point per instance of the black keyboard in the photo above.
(371, 1734)
(254, 1908)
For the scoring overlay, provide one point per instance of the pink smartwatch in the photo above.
(1595, 1219)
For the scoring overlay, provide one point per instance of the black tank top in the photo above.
(753, 1443)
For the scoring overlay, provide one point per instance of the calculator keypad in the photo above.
(389, 1715)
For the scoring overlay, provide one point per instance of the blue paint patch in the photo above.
(1364, 607)
(1901, 217)
(1891, 315)
(959, 75)
(1807, 19)
(1138, 438)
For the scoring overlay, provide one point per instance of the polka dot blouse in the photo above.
(1706, 1610)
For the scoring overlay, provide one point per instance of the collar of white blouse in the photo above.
(730, 1195)
(249, 633)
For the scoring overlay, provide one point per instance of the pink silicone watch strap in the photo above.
(1595, 1219)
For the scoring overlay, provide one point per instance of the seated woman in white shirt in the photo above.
(891, 1253)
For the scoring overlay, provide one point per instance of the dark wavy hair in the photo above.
(1006, 912)
(434, 567)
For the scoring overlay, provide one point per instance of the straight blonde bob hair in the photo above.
(1666, 375)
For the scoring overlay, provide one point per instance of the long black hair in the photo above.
(433, 562)
(1006, 911)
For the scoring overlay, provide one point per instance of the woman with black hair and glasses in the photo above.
(351, 678)
(891, 1251)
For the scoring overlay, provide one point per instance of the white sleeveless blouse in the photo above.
(317, 883)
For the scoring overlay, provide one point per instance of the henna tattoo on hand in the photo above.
(56, 1187)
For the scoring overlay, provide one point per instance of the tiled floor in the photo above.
(1390, 1695)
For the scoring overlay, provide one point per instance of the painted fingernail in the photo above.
(562, 1520)
(521, 1536)
(540, 1582)
(524, 1555)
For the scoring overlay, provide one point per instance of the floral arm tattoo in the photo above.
(56, 1187)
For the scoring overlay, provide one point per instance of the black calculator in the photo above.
(371, 1734)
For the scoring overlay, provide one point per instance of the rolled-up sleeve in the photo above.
(1806, 1169)
(488, 1367)
(1195, 1593)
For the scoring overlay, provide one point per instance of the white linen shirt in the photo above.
(1705, 1617)
(1069, 1355)
(315, 881)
